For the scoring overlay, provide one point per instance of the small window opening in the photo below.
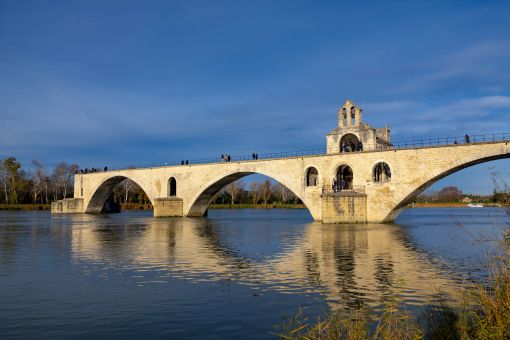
(172, 187)
(344, 178)
(382, 172)
(312, 177)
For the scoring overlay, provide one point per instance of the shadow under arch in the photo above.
(411, 196)
(103, 191)
(202, 201)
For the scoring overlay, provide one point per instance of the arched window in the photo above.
(350, 143)
(344, 177)
(382, 172)
(344, 116)
(353, 116)
(172, 187)
(312, 177)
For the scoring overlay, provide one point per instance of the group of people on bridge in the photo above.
(225, 158)
(89, 171)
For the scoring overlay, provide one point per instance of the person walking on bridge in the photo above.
(466, 139)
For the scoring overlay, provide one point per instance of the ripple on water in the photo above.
(235, 273)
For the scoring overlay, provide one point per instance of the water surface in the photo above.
(233, 274)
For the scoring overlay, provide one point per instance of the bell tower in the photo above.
(352, 135)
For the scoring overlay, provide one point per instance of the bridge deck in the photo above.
(403, 145)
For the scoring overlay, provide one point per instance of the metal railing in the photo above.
(329, 190)
(420, 143)
(471, 139)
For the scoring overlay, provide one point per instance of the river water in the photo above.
(233, 274)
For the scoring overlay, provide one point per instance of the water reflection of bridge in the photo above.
(348, 264)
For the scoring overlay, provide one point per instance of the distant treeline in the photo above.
(454, 194)
(37, 186)
(265, 192)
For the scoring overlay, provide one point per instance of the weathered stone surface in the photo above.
(346, 208)
(412, 171)
(67, 206)
(168, 207)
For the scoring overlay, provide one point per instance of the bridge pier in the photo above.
(67, 206)
(344, 207)
(168, 207)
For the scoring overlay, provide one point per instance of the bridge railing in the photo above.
(329, 190)
(466, 139)
(409, 144)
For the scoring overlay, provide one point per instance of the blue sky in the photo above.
(128, 82)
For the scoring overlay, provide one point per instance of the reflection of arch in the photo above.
(381, 172)
(344, 176)
(312, 177)
(172, 187)
(101, 194)
(349, 142)
(204, 197)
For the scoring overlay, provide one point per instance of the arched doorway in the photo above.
(350, 143)
(344, 177)
(312, 177)
(382, 172)
(172, 187)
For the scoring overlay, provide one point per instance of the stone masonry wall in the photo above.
(168, 207)
(344, 209)
(67, 206)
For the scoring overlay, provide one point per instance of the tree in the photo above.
(10, 177)
(255, 191)
(127, 185)
(266, 189)
(234, 189)
(38, 179)
(62, 177)
(4, 178)
(449, 194)
(283, 193)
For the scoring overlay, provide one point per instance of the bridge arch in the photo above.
(202, 200)
(434, 177)
(103, 190)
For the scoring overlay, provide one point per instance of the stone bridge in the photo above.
(362, 177)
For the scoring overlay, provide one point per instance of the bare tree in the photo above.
(5, 178)
(234, 189)
(255, 192)
(38, 179)
(266, 189)
(127, 185)
(283, 193)
(62, 177)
